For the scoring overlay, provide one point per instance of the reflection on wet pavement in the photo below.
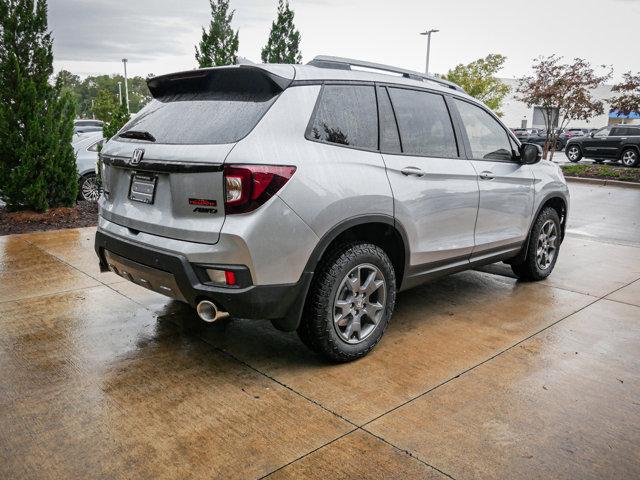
(478, 376)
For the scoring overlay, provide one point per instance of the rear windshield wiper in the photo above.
(138, 135)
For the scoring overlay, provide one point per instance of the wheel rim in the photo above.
(360, 303)
(90, 190)
(573, 153)
(629, 158)
(547, 246)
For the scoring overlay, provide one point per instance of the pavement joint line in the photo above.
(407, 452)
(464, 372)
(608, 241)
(309, 453)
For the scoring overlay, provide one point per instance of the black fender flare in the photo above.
(291, 321)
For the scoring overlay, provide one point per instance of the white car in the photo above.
(86, 147)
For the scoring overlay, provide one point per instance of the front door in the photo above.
(435, 189)
(596, 145)
(506, 186)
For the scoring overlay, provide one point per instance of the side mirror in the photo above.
(591, 134)
(530, 153)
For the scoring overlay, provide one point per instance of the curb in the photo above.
(602, 183)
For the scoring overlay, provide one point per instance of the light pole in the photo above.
(126, 85)
(428, 34)
(120, 93)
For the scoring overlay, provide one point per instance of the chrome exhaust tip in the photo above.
(208, 311)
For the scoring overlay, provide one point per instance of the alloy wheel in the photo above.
(360, 303)
(629, 158)
(547, 245)
(573, 153)
(90, 190)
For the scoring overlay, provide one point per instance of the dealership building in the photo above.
(517, 115)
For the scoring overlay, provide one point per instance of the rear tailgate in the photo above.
(163, 171)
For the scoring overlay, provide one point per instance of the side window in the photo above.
(347, 115)
(95, 146)
(389, 138)
(617, 132)
(424, 122)
(603, 132)
(487, 138)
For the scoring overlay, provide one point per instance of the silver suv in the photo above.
(310, 195)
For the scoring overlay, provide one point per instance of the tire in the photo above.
(536, 265)
(88, 188)
(630, 158)
(340, 284)
(573, 153)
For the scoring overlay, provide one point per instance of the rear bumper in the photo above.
(173, 275)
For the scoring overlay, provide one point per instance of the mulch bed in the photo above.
(84, 214)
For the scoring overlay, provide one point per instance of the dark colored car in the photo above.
(575, 132)
(609, 143)
(539, 137)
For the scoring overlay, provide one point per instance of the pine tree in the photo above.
(283, 45)
(37, 162)
(219, 46)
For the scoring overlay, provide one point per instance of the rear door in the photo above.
(435, 189)
(164, 170)
(506, 186)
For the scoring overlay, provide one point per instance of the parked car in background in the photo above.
(539, 137)
(575, 132)
(87, 125)
(618, 143)
(521, 133)
(86, 147)
(310, 195)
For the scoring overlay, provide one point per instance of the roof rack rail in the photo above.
(340, 63)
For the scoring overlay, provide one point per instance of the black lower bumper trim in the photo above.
(283, 303)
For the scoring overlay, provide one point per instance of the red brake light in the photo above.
(247, 187)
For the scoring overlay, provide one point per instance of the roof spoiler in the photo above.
(233, 77)
(340, 63)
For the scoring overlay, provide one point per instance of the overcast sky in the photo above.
(158, 36)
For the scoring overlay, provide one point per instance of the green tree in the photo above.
(219, 45)
(283, 45)
(118, 119)
(37, 162)
(479, 80)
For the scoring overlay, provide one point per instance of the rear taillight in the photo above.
(249, 186)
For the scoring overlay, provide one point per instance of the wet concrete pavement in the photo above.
(478, 376)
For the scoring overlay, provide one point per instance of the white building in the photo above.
(517, 115)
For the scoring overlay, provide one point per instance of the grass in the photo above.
(605, 172)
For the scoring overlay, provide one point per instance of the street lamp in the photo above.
(120, 93)
(428, 34)
(126, 85)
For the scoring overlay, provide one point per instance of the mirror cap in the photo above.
(530, 153)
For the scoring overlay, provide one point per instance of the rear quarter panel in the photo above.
(332, 183)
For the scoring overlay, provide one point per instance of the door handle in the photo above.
(487, 175)
(623, 138)
(412, 171)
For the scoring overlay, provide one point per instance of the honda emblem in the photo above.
(136, 156)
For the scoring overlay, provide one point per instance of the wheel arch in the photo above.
(381, 230)
(559, 204)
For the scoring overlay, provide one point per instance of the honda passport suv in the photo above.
(311, 195)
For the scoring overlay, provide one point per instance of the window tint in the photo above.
(618, 132)
(633, 131)
(424, 122)
(389, 138)
(347, 115)
(202, 117)
(487, 138)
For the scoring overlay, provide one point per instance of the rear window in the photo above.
(346, 115)
(219, 107)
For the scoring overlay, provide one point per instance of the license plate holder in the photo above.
(143, 188)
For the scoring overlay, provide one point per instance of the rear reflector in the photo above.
(247, 187)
